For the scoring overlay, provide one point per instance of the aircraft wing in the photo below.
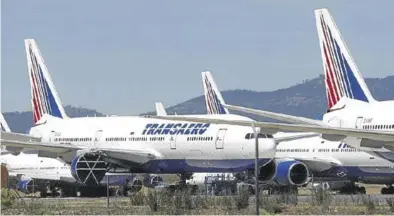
(270, 128)
(291, 137)
(318, 164)
(138, 156)
(277, 116)
(25, 141)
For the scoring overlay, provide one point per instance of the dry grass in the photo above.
(161, 202)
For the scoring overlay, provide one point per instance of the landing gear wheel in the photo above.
(362, 190)
(43, 194)
(387, 190)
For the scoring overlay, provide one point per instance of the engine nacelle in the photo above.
(291, 173)
(268, 171)
(89, 168)
(26, 186)
(152, 181)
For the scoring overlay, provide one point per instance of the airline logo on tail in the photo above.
(212, 100)
(342, 77)
(43, 96)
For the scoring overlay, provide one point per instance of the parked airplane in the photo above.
(324, 159)
(352, 110)
(202, 179)
(96, 145)
(51, 176)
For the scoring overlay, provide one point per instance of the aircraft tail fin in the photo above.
(8, 149)
(45, 99)
(342, 77)
(3, 124)
(213, 98)
(160, 111)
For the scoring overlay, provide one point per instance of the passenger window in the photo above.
(247, 136)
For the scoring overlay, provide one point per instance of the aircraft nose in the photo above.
(267, 148)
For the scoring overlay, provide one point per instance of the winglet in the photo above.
(342, 77)
(160, 111)
(43, 93)
(213, 98)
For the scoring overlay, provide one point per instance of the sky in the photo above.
(121, 56)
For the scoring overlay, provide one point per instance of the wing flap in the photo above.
(138, 156)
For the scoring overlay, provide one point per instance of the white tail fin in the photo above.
(3, 123)
(342, 77)
(160, 111)
(213, 98)
(12, 150)
(44, 96)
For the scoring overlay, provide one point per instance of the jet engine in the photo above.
(27, 186)
(291, 173)
(88, 168)
(152, 181)
(268, 171)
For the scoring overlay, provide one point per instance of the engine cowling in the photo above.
(89, 168)
(26, 186)
(292, 173)
(152, 181)
(268, 171)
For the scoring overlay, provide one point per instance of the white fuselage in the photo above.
(362, 115)
(30, 165)
(200, 147)
(321, 155)
(367, 116)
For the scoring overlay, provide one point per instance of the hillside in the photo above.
(305, 99)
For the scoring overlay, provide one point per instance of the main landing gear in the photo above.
(387, 190)
(352, 188)
(182, 186)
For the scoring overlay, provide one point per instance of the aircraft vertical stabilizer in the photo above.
(342, 77)
(213, 98)
(160, 111)
(3, 124)
(44, 96)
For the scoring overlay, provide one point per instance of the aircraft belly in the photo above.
(377, 180)
(199, 165)
(378, 170)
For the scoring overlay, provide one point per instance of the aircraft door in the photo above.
(173, 142)
(220, 138)
(359, 121)
(97, 137)
(52, 136)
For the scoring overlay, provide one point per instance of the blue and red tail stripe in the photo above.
(42, 96)
(213, 102)
(340, 79)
